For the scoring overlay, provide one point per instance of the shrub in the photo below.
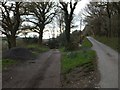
(53, 44)
(71, 46)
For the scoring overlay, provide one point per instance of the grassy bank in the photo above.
(112, 42)
(73, 59)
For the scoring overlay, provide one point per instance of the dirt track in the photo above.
(107, 63)
(43, 72)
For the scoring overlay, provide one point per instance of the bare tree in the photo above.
(11, 21)
(42, 14)
(109, 12)
(68, 16)
(102, 18)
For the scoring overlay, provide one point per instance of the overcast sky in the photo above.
(81, 4)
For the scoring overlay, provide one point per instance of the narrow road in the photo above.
(107, 64)
(43, 72)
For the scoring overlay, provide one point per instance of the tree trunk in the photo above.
(60, 26)
(41, 34)
(109, 16)
(67, 32)
(40, 38)
(110, 33)
(11, 41)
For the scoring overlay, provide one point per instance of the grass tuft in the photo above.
(8, 62)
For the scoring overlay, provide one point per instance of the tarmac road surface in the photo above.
(107, 64)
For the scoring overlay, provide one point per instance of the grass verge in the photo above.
(73, 59)
(86, 43)
(112, 42)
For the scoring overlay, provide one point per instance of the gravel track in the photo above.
(43, 72)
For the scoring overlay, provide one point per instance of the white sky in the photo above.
(81, 5)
